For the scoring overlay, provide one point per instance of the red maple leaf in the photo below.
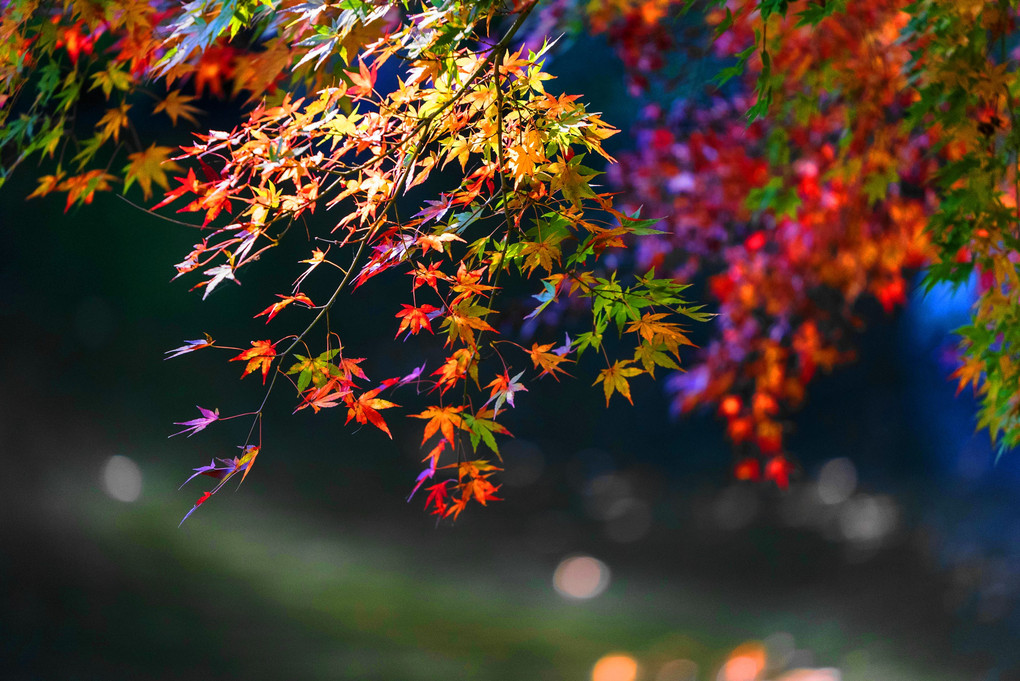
(414, 319)
(275, 308)
(259, 356)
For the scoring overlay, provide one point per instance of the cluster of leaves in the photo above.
(791, 217)
(879, 138)
(460, 102)
(966, 72)
(853, 144)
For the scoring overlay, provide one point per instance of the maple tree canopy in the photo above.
(842, 147)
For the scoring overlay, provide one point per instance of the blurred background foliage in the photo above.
(622, 534)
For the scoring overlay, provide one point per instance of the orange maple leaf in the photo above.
(112, 121)
(366, 408)
(548, 361)
(362, 82)
(83, 187)
(435, 242)
(456, 367)
(48, 183)
(482, 490)
(657, 332)
(259, 356)
(467, 283)
(444, 419)
(177, 105)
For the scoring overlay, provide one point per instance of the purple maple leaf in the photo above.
(195, 425)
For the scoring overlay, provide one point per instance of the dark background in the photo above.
(318, 568)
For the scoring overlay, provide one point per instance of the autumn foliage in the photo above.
(844, 147)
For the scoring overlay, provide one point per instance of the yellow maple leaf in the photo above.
(177, 105)
(614, 379)
(147, 167)
(112, 121)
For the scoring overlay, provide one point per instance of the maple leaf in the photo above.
(571, 178)
(275, 308)
(324, 397)
(362, 82)
(657, 336)
(198, 424)
(466, 283)
(47, 184)
(177, 105)
(541, 254)
(441, 419)
(349, 368)
(548, 361)
(438, 495)
(457, 505)
(83, 187)
(318, 257)
(190, 346)
(433, 456)
(147, 167)
(457, 366)
(463, 320)
(189, 185)
(366, 408)
(259, 356)
(503, 389)
(112, 121)
(481, 428)
(435, 242)
(316, 371)
(427, 275)
(429, 472)
(219, 274)
(971, 371)
(615, 379)
(477, 485)
(651, 356)
(224, 471)
(414, 319)
(481, 490)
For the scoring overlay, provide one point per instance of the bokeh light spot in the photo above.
(122, 479)
(581, 577)
(746, 663)
(837, 481)
(868, 518)
(615, 668)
